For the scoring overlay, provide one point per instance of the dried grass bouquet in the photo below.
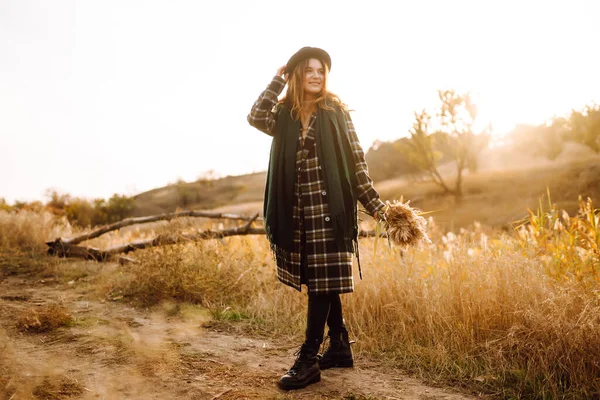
(404, 225)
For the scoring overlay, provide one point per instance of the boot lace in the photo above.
(302, 360)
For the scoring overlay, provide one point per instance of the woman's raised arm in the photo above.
(261, 115)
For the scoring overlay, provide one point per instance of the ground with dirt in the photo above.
(111, 350)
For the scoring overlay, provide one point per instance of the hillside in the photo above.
(494, 197)
(499, 197)
(203, 194)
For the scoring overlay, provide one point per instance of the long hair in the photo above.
(295, 91)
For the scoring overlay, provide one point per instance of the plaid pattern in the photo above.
(326, 268)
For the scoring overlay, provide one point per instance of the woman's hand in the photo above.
(281, 72)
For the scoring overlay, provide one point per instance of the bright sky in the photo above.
(122, 96)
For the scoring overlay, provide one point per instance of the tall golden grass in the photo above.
(26, 231)
(513, 314)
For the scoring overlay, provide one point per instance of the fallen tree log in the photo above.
(154, 218)
(66, 248)
(62, 248)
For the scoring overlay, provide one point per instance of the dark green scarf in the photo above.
(336, 160)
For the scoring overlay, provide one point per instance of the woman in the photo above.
(317, 171)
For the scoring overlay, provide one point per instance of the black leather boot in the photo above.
(304, 371)
(338, 354)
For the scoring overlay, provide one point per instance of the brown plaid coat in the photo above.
(316, 259)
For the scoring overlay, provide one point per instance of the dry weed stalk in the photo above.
(570, 245)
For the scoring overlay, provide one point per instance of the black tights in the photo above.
(323, 308)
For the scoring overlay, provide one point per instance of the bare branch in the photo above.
(154, 218)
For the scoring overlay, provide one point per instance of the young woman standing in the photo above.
(317, 172)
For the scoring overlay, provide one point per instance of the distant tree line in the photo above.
(388, 160)
(79, 211)
(208, 191)
(549, 139)
(448, 135)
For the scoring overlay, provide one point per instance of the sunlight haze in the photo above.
(98, 98)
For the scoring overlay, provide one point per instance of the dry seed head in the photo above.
(404, 225)
(558, 226)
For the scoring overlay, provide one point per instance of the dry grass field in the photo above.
(481, 311)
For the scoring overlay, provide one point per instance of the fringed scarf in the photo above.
(335, 157)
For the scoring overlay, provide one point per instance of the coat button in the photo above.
(324, 193)
(327, 219)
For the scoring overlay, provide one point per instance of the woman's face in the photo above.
(314, 77)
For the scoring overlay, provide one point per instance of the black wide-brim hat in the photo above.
(303, 54)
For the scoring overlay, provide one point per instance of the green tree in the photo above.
(387, 161)
(115, 209)
(420, 149)
(120, 207)
(80, 212)
(584, 127)
(100, 216)
(451, 135)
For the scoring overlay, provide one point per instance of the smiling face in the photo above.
(314, 79)
(306, 84)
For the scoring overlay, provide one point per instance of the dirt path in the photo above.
(113, 351)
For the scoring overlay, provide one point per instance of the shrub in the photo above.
(43, 319)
